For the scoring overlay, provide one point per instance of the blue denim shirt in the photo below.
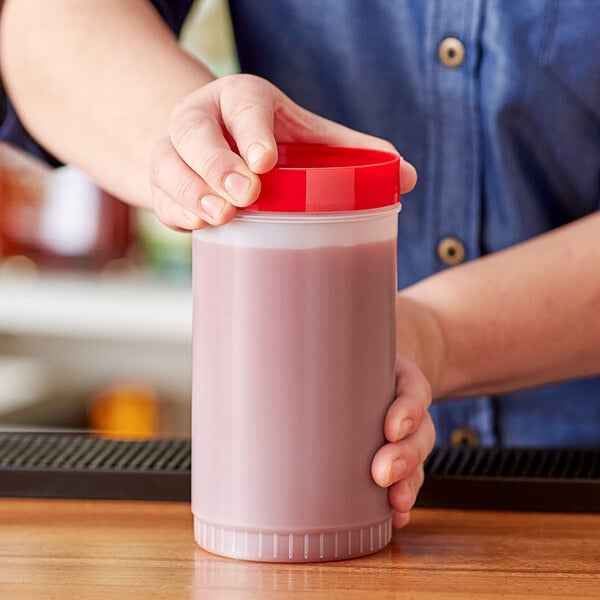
(506, 143)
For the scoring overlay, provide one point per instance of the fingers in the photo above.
(224, 133)
(410, 432)
(182, 200)
(296, 124)
(199, 169)
(399, 466)
(199, 140)
(400, 520)
(173, 214)
(396, 461)
(248, 106)
(413, 398)
(222, 136)
(403, 494)
(408, 177)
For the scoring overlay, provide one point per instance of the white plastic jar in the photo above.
(293, 361)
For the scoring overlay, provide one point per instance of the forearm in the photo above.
(95, 81)
(525, 316)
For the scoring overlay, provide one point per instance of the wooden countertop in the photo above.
(98, 549)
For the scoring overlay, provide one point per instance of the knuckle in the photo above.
(213, 167)
(211, 161)
(421, 405)
(186, 191)
(415, 409)
(158, 158)
(412, 456)
(242, 110)
(412, 407)
(410, 485)
(183, 189)
(415, 485)
(186, 126)
(404, 494)
(248, 81)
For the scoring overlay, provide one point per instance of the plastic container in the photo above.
(293, 361)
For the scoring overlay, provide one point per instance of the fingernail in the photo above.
(406, 425)
(212, 205)
(402, 429)
(237, 186)
(255, 154)
(397, 470)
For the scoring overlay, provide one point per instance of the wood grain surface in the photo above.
(103, 550)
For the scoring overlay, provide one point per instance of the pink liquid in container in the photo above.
(293, 361)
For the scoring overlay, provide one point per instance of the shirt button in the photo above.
(451, 251)
(464, 436)
(451, 52)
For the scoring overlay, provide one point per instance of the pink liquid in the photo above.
(293, 356)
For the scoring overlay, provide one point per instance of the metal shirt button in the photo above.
(451, 52)
(451, 251)
(464, 436)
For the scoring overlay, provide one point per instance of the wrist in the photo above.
(420, 337)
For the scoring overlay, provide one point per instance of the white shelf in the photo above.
(84, 306)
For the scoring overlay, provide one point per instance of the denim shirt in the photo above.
(506, 143)
(503, 128)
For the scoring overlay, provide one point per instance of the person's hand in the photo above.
(222, 136)
(408, 427)
(410, 436)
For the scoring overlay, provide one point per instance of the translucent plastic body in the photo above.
(293, 354)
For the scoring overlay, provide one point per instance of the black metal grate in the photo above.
(517, 479)
(53, 465)
(488, 462)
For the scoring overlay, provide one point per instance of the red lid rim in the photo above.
(390, 157)
(326, 178)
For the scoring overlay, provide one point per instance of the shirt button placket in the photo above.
(454, 161)
(450, 250)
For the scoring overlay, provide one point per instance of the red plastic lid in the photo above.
(321, 178)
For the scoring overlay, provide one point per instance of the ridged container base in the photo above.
(293, 547)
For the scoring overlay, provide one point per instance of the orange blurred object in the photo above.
(125, 411)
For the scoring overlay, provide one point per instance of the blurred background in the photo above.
(95, 307)
(95, 296)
